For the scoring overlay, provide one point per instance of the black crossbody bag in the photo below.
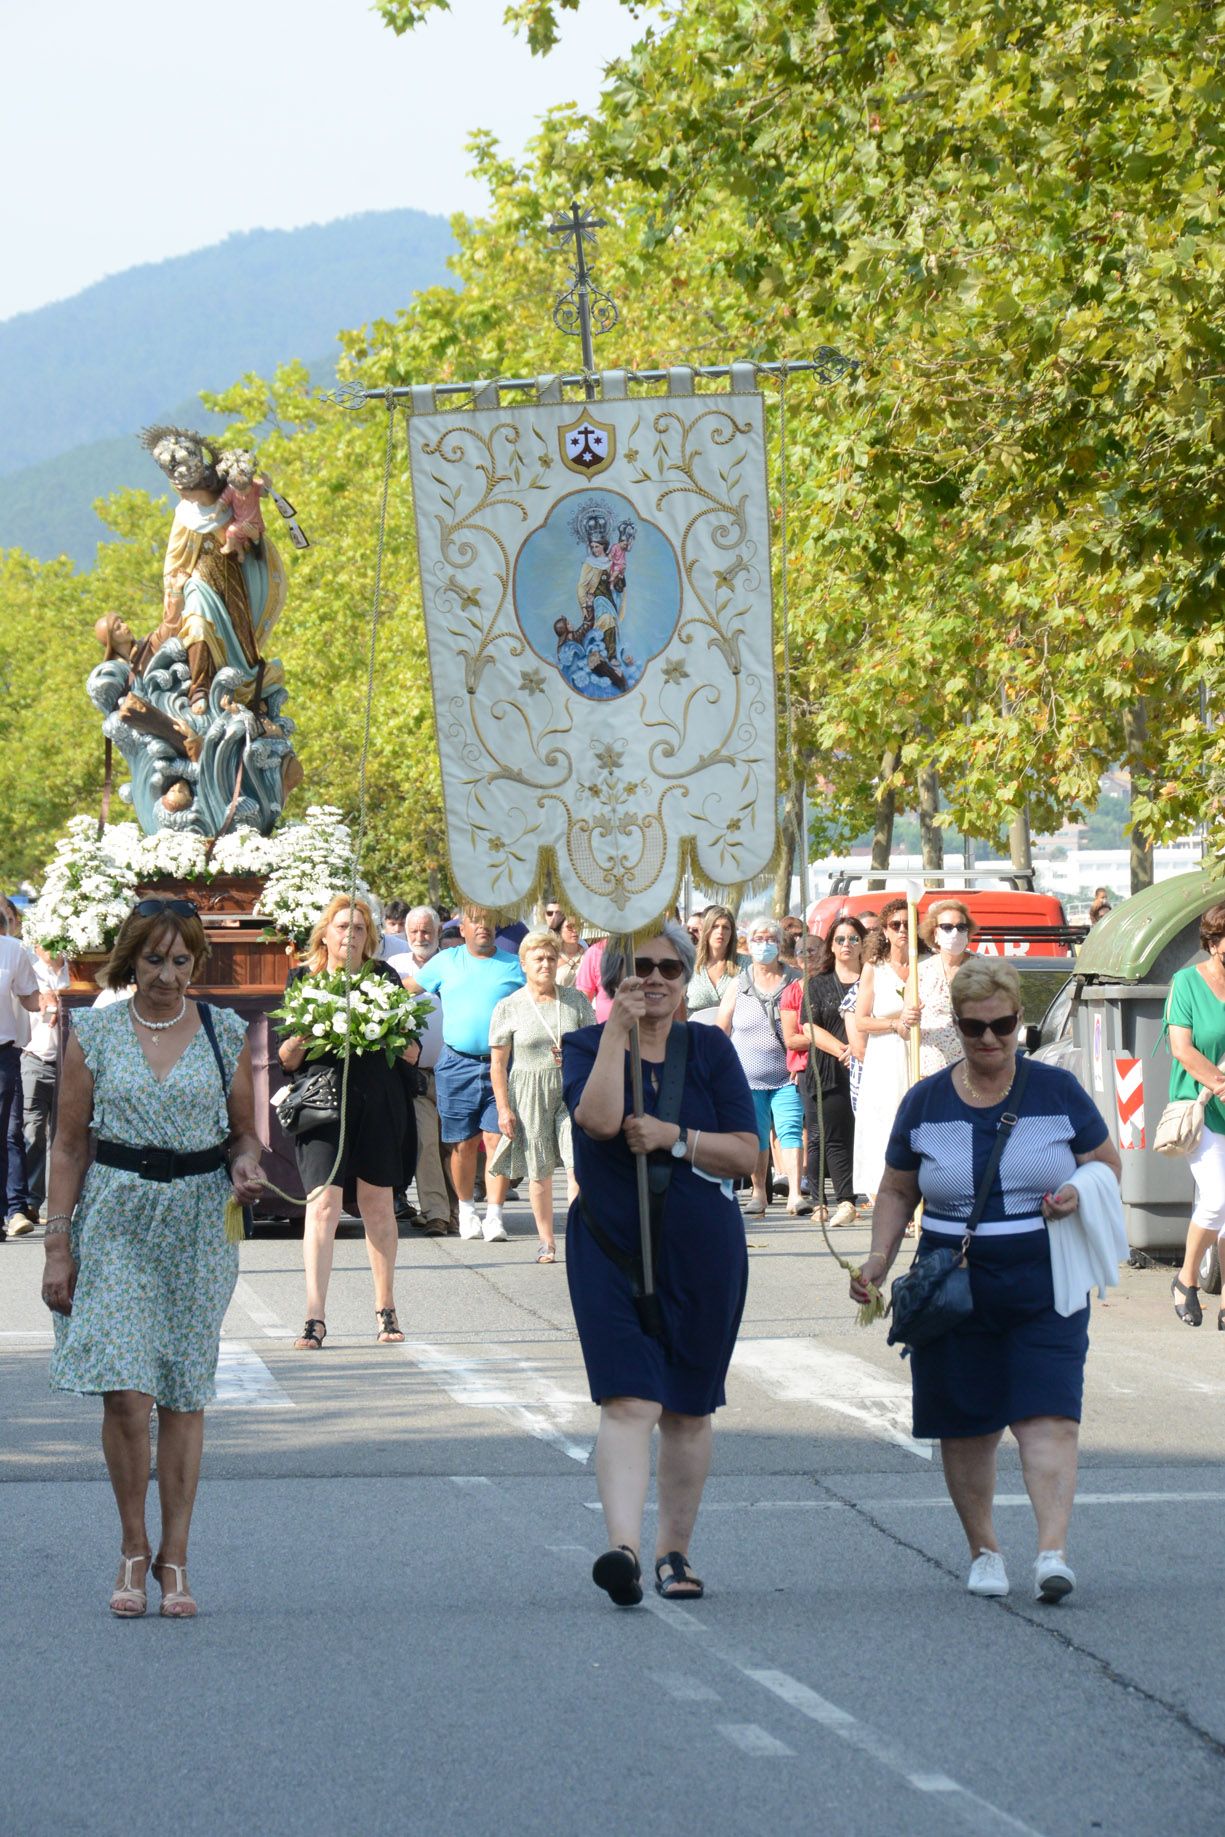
(934, 1294)
(660, 1168)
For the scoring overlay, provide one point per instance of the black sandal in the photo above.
(618, 1573)
(1188, 1310)
(389, 1333)
(311, 1337)
(680, 1583)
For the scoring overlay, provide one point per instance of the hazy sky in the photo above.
(147, 128)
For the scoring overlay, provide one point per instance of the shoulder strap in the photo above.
(1007, 1123)
(210, 1030)
(668, 1109)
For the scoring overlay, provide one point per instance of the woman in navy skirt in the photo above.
(1015, 1363)
(701, 1272)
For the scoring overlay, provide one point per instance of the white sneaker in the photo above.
(844, 1214)
(469, 1219)
(19, 1224)
(987, 1574)
(1053, 1580)
(495, 1231)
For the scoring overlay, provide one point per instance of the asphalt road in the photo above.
(398, 1632)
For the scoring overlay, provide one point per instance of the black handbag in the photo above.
(934, 1294)
(310, 1101)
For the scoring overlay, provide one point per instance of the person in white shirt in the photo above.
(18, 990)
(435, 1194)
(39, 1067)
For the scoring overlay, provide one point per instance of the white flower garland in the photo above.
(91, 884)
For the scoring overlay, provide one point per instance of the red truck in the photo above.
(1013, 920)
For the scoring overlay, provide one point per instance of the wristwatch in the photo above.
(677, 1150)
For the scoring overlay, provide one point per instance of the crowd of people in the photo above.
(772, 1061)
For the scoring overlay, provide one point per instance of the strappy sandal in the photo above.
(680, 1583)
(128, 1602)
(618, 1573)
(1188, 1309)
(546, 1254)
(178, 1603)
(311, 1337)
(389, 1333)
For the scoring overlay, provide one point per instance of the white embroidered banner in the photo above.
(596, 585)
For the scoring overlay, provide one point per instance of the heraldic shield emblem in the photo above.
(587, 446)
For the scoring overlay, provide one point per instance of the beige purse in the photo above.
(1182, 1123)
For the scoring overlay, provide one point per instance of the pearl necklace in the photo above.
(158, 1026)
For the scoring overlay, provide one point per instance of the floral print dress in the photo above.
(154, 1271)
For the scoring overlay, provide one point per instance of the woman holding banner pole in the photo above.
(656, 1352)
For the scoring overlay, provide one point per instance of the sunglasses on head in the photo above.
(180, 908)
(1001, 1026)
(670, 968)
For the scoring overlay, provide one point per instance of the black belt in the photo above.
(160, 1163)
(482, 1058)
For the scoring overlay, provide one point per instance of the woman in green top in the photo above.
(717, 964)
(1195, 1017)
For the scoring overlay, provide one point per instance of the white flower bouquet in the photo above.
(366, 1013)
(85, 897)
(314, 861)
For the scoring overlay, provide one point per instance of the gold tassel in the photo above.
(235, 1229)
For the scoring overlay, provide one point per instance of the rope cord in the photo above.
(352, 976)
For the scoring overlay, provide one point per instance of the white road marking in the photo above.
(496, 1379)
(263, 1316)
(245, 1382)
(801, 1371)
(39, 1336)
(470, 1479)
(751, 1738)
(979, 1813)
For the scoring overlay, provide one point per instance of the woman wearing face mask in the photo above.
(946, 928)
(878, 1031)
(749, 1015)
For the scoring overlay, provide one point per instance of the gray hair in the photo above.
(763, 922)
(612, 962)
(417, 912)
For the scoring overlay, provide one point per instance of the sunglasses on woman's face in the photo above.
(898, 925)
(848, 940)
(1001, 1026)
(953, 930)
(178, 908)
(670, 968)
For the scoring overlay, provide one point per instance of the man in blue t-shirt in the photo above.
(470, 982)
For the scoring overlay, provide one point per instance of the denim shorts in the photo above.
(464, 1093)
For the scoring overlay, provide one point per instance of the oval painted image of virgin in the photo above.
(597, 592)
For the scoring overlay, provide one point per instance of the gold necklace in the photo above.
(973, 1091)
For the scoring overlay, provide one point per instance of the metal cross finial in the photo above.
(583, 310)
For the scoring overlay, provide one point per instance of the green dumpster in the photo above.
(1123, 976)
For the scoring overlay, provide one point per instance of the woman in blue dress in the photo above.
(640, 1381)
(1016, 1363)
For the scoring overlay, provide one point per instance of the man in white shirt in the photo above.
(39, 1067)
(435, 1194)
(18, 990)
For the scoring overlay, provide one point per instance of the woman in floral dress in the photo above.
(532, 1115)
(139, 1269)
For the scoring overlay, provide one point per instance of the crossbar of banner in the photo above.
(828, 364)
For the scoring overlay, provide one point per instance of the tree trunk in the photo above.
(1019, 850)
(1135, 733)
(435, 888)
(787, 852)
(886, 810)
(932, 836)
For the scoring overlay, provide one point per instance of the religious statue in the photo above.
(196, 708)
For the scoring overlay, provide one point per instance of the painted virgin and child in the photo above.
(591, 653)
